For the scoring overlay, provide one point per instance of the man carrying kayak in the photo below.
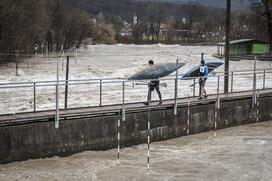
(202, 81)
(154, 84)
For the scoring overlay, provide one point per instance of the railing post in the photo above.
(100, 92)
(254, 85)
(188, 118)
(232, 82)
(194, 86)
(123, 107)
(217, 107)
(57, 99)
(176, 89)
(34, 96)
(218, 86)
(66, 84)
(264, 72)
(76, 56)
(17, 67)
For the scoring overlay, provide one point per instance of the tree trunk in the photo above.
(158, 32)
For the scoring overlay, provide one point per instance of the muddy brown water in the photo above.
(238, 153)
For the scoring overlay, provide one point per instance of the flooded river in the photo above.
(239, 153)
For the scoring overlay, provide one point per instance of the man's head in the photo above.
(202, 62)
(150, 62)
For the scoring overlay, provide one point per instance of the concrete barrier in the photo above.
(38, 140)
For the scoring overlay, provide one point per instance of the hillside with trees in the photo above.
(55, 25)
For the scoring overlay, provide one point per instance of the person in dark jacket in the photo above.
(152, 85)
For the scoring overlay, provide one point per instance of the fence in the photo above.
(44, 95)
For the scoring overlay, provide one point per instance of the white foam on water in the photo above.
(113, 61)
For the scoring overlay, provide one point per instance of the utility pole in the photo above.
(227, 42)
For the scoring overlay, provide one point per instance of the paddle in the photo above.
(145, 83)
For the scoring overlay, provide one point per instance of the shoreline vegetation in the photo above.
(30, 26)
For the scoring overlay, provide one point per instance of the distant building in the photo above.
(126, 30)
(135, 20)
(163, 29)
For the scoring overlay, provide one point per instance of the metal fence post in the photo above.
(66, 84)
(218, 85)
(217, 107)
(254, 85)
(176, 89)
(76, 56)
(34, 96)
(57, 99)
(100, 92)
(194, 87)
(264, 72)
(232, 82)
(188, 118)
(123, 107)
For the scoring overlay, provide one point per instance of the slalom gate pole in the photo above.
(148, 139)
(118, 139)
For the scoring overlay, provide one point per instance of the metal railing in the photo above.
(260, 80)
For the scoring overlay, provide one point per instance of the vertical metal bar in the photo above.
(123, 109)
(148, 139)
(227, 47)
(176, 89)
(258, 106)
(17, 67)
(76, 56)
(57, 99)
(232, 82)
(194, 87)
(66, 84)
(217, 107)
(17, 59)
(34, 96)
(264, 73)
(118, 140)
(188, 118)
(100, 93)
(218, 86)
(216, 115)
(254, 85)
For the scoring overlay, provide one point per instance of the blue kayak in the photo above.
(156, 71)
(195, 72)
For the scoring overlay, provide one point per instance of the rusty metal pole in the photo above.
(227, 42)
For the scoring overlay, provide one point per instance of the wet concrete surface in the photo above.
(238, 153)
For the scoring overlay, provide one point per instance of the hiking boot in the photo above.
(146, 103)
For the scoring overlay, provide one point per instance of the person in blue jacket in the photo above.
(204, 72)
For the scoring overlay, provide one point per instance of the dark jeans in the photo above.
(151, 87)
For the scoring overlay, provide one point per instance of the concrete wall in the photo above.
(38, 140)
